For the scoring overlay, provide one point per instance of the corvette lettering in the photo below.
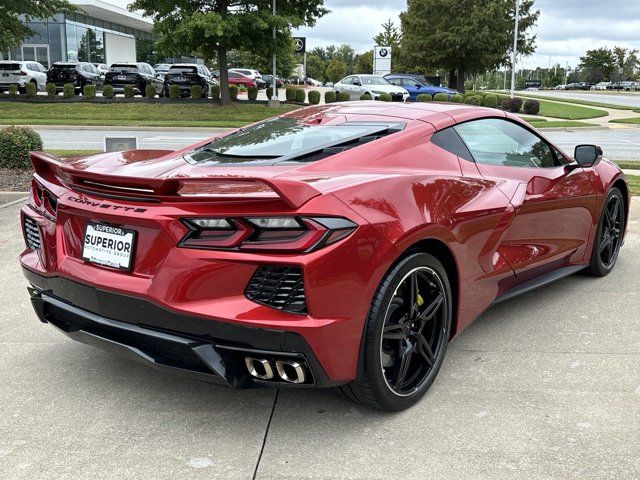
(91, 203)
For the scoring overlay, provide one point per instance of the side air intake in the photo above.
(278, 287)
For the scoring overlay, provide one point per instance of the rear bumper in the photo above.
(199, 348)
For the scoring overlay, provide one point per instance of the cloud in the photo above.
(566, 28)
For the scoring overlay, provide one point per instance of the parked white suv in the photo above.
(22, 73)
(247, 72)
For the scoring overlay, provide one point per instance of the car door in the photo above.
(344, 85)
(553, 199)
(357, 89)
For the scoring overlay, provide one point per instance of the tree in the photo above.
(464, 36)
(316, 67)
(15, 14)
(626, 62)
(597, 65)
(364, 62)
(210, 28)
(389, 37)
(336, 70)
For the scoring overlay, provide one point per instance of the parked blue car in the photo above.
(416, 85)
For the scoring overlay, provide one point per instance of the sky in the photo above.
(565, 30)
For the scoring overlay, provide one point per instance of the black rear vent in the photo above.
(31, 233)
(278, 287)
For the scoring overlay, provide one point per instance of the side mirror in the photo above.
(357, 83)
(587, 155)
(418, 85)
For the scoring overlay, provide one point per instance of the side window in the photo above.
(499, 142)
(347, 80)
(395, 81)
(450, 141)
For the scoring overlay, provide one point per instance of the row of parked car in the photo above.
(401, 86)
(627, 86)
(118, 75)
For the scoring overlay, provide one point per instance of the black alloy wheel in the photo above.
(413, 331)
(609, 235)
(405, 336)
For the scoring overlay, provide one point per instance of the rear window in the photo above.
(124, 68)
(9, 66)
(183, 70)
(64, 67)
(286, 139)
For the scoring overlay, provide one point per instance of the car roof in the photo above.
(439, 114)
(185, 65)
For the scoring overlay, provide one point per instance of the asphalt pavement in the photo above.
(546, 386)
(629, 99)
(618, 144)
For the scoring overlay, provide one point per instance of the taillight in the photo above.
(280, 234)
(44, 199)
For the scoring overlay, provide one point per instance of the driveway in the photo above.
(546, 386)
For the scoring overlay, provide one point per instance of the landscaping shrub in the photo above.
(233, 93)
(174, 92)
(490, 101)
(196, 91)
(108, 92)
(504, 103)
(300, 95)
(365, 96)
(344, 97)
(51, 89)
(473, 100)
(329, 97)
(385, 97)
(456, 98)
(129, 92)
(514, 104)
(441, 97)
(314, 97)
(290, 94)
(89, 92)
(68, 90)
(13, 90)
(215, 92)
(150, 91)
(424, 97)
(15, 145)
(31, 90)
(531, 107)
(252, 93)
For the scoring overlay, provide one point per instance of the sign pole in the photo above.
(515, 49)
(274, 95)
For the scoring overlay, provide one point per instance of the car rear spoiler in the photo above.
(294, 193)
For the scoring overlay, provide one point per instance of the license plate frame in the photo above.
(112, 254)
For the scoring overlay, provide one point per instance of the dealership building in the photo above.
(99, 31)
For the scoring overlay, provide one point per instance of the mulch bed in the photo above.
(14, 180)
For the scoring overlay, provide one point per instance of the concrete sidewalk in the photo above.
(546, 386)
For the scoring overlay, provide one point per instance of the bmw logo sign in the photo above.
(383, 52)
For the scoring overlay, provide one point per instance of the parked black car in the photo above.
(186, 75)
(268, 79)
(138, 75)
(77, 73)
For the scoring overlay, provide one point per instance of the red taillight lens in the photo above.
(43, 198)
(281, 234)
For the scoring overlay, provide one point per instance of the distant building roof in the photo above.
(109, 12)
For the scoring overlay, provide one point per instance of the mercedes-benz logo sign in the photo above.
(383, 52)
(299, 45)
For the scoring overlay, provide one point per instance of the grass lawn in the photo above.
(568, 112)
(634, 184)
(630, 164)
(72, 153)
(558, 124)
(588, 103)
(136, 114)
(633, 120)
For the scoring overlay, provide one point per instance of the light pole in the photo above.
(274, 96)
(515, 49)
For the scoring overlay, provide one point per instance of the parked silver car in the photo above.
(374, 85)
(21, 73)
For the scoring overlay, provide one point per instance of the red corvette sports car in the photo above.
(340, 245)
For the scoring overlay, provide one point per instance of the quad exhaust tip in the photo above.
(290, 371)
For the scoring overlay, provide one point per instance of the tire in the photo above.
(376, 385)
(608, 239)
